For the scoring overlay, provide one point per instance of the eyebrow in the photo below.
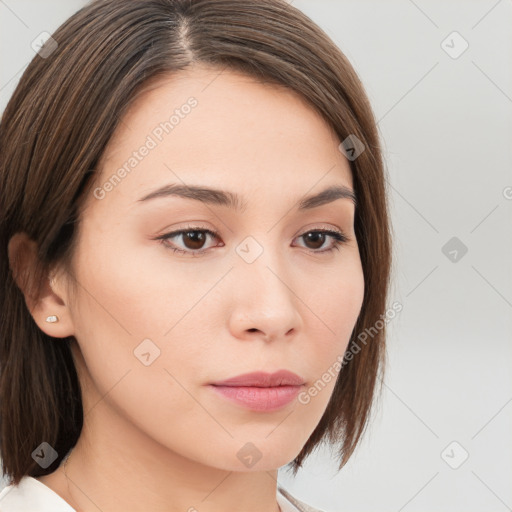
(228, 199)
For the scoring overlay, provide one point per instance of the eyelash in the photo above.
(339, 238)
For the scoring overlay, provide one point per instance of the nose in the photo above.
(263, 304)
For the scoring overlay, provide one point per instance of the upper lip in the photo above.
(263, 379)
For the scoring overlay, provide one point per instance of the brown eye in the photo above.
(315, 238)
(192, 240)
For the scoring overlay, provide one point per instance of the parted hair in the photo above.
(53, 132)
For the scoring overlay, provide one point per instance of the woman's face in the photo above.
(267, 292)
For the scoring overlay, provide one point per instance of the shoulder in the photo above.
(31, 495)
(297, 505)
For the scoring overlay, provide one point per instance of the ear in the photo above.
(52, 300)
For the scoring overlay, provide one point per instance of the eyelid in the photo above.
(338, 235)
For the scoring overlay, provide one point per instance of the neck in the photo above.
(114, 479)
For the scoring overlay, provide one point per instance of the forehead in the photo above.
(220, 128)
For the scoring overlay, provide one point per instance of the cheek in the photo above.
(335, 304)
(124, 291)
(129, 312)
(336, 312)
(347, 294)
(121, 321)
(340, 297)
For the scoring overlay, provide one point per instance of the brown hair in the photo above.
(54, 131)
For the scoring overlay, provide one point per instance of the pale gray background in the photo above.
(446, 126)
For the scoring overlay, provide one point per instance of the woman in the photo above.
(194, 237)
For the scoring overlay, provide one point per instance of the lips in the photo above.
(263, 380)
(260, 391)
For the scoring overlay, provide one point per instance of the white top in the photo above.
(31, 495)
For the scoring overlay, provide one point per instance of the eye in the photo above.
(317, 238)
(193, 239)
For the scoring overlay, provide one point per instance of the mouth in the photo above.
(260, 391)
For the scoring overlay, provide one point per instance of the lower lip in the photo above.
(259, 399)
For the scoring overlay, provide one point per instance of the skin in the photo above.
(158, 436)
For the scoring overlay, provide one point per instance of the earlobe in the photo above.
(46, 303)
